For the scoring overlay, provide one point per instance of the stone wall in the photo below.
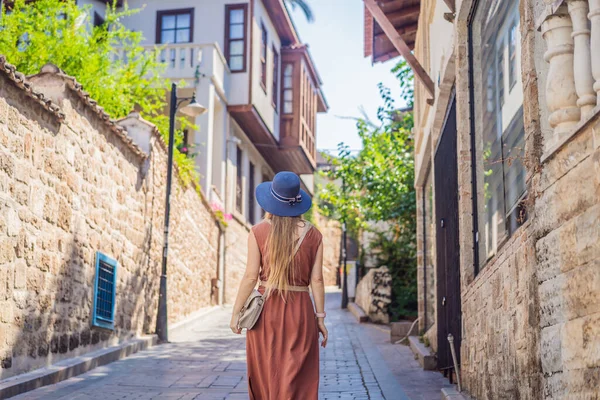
(72, 184)
(374, 294)
(236, 255)
(332, 242)
(568, 253)
(500, 343)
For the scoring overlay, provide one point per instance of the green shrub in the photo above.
(61, 33)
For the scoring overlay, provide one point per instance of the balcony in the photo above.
(192, 62)
(302, 99)
(571, 29)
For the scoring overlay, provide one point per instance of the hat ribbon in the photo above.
(290, 200)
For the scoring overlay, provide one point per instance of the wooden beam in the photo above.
(407, 12)
(451, 5)
(400, 45)
(386, 6)
(402, 30)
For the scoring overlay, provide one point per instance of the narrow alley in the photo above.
(205, 361)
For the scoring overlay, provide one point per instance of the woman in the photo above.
(286, 253)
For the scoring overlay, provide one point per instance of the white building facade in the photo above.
(246, 65)
(231, 54)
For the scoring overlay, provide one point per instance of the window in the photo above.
(175, 26)
(238, 183)
(265, 178)
(497, 125)
(275, 89)
(98, 20)
(512, 53)
(104, 292)
(235, 36)
(251, 207)
(263, 56)
(288, 94)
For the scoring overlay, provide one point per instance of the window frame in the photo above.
(228, 40)
(290, 89)
(98, 321)
(519, 205)
(239, 181)
(251, 197)
(275, 80)
(264, 54)
(178, 11)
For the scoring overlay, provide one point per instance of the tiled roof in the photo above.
(21, 82)
(92, 104)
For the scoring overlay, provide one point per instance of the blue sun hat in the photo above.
(283, 197)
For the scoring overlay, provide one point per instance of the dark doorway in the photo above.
(448, 264)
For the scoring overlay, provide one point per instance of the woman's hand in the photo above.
(234, 324)
(323, 331)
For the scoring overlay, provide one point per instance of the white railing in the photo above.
(193, 62)
(571, 29)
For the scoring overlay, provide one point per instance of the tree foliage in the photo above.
(378, 185)
(304, 6)
(61, 33)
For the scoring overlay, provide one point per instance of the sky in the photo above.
(350, 81)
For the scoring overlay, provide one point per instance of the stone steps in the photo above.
(422, 353)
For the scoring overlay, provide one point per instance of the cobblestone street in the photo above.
(206, 361)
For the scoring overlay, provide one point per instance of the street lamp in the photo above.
(344, 253)
(192, 109)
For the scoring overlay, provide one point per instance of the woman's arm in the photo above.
(248, 282)
(318, 290)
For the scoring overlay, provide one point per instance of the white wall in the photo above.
(261, 99)
(95, 5)
(220, 130)
(441, 42)
(209, 27)
(249, 154)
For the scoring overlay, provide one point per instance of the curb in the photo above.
(358, 312)
(71, 367)
(452, 394)
(424, 356)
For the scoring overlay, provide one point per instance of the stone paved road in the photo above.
(205, 361)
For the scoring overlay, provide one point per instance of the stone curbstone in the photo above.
(72, 367)
(358, 312)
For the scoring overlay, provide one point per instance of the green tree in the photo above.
(379, 186)
(59, 32)
(303, 5)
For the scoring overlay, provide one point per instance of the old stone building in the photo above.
(82, 203)
(507, 150)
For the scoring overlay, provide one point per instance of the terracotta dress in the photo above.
(283, 347)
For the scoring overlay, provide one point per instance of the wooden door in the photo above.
(447, 266)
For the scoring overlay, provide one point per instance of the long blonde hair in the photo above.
(280, 246)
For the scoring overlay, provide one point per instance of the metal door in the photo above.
(447, 266)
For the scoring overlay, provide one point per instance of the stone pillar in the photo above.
(594, 17)
(561, 95)
(584, 81)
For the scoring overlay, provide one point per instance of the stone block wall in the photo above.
(193, 256)
(568, 252)
(332, 242)
(236, 255)
(499, 345)
(71, 184)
